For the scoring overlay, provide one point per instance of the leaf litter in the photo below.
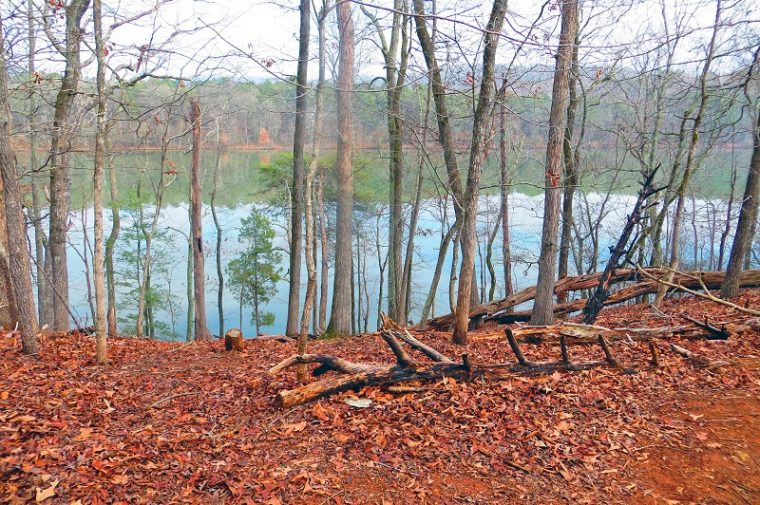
(172, 423)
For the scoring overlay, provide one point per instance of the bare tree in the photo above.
(477, 155)
(297, 195)
(395, 54)
(542, 308)
(196, 217)
(60, 153)
(310, 242)
(15, 230)
(101, 351)
(341, 313)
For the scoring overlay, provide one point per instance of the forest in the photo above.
(386, 251)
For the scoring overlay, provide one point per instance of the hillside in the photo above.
(192, 423)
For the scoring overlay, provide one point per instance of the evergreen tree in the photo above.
(254, 274)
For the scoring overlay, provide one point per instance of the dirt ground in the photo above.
(174, 423)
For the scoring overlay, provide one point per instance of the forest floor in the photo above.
(174, 423)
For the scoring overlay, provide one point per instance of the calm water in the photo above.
(243, 184)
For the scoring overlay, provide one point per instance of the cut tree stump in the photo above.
(233, 340)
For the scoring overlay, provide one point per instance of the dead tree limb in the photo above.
(714, 332)
(402, 358)
(354, 376)
(423, 348)
(619, 253)
(325, 360)
(383, 375)
(696, 359)
(707, 296)
(687, 283)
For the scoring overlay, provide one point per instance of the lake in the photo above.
(244, 184)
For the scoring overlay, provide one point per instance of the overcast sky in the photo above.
(214, 29)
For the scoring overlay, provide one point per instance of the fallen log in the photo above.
(686, 281)
(383, 375)
(582, 334)
(354, 376)
(567, 284)
(688, 285)
(696, 359)
(714, 332)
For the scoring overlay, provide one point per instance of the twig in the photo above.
(706, 296)
(178, 395)
(183, 346)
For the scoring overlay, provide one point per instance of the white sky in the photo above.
(267, 30)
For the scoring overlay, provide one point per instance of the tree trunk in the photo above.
(542, 309)
(727, 229)
(297, 195)
(218, 227)
(504, 201)
(15, 230)
(111, 244)
(196, 216)
(8, 312)
(446, 136)
(340, 317)
(324, 267)
(60, 177)
(477, 154)
(101, 350)
(395, 55)
(570, 170)
(40, 240)
(747, 216)
(310, 253)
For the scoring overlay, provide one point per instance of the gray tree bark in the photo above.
(15, 230)
(297, 195)
(60, 176)
(747, 216)
(98, 263)
(542, 308)
(477, 155)
(342, 303)
(196, 202)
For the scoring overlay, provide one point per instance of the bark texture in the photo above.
(477, 157)
(297, 194)
(542, 310)
(747, 217)
(15, 230)
(342, 302)
(98, 261)
(196, 216)
(60, 175)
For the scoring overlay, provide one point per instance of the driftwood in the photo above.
(647, 281)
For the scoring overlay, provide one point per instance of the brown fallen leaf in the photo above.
(43, 494)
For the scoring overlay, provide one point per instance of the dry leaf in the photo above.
(44, 494)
